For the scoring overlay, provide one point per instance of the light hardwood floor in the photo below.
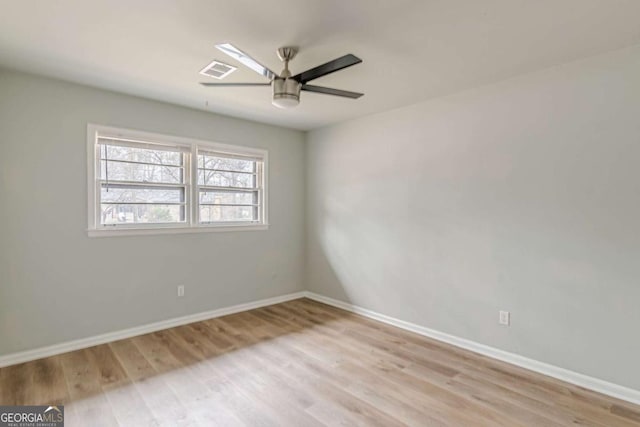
(300, 363)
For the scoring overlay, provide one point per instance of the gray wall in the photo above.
(520, 196)
(57, 284)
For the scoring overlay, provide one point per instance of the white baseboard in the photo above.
(38, 353)
(581, 380)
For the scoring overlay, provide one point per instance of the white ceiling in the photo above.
(412, 49)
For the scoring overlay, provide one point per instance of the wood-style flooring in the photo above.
(300, 363)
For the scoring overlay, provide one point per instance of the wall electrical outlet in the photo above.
(181, 290)
(505, 318)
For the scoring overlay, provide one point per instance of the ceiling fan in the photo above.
(286, 88)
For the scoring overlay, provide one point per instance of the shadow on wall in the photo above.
(360, 260)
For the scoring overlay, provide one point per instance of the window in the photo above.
(228, 188)
(141, 183)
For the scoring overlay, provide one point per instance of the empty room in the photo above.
(320, 213)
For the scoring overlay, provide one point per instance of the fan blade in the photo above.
(328, 68)
(330, 91)
(235, 84)
(236, 53)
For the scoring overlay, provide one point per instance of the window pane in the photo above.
(229, 198)
(228, 213)
(120, 194)
(116, 171)
(141, 214)
(226, 179)
(161, 157)
(222, 163)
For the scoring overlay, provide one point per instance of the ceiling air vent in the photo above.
(218, 70)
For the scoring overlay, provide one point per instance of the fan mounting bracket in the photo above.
(287, 53)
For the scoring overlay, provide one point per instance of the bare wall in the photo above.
(57, 284)
(520, 196)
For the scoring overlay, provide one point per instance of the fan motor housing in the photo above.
(286, 92)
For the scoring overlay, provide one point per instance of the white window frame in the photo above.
(192, 207)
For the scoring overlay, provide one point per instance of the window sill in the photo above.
(174, 230)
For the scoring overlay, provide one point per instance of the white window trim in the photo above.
(191, 225)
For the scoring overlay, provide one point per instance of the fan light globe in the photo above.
(284, 102)
(286, 93)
